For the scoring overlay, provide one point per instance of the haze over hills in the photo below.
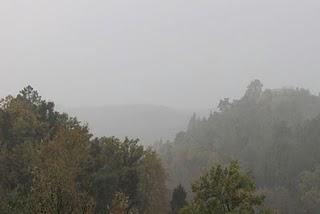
(273, 133)
(149, 123)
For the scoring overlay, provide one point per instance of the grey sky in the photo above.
(181, 53)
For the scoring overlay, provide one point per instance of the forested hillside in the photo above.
(258, 154)
(274, 133)
(50, 163)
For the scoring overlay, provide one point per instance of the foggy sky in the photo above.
(180, 53)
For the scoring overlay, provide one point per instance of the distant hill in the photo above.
(149, 123)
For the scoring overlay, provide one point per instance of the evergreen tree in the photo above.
(178, 200)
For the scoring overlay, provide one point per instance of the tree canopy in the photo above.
(274, 133)
(50, 163)
(224, 190)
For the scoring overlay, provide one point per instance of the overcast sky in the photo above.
(179, 53)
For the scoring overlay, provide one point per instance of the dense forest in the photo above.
(258, 154)
(273, 133)
(50, 163)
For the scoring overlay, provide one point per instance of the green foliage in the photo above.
(120, 204)
(114, 167)
(178, 200)
(225, 190)
(50, 164)
(152, 189)
(309, 188)
(274, 133)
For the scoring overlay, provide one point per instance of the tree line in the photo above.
(275, 135)
(50, 163)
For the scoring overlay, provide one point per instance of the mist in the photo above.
(159, 107)
(182, 54)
